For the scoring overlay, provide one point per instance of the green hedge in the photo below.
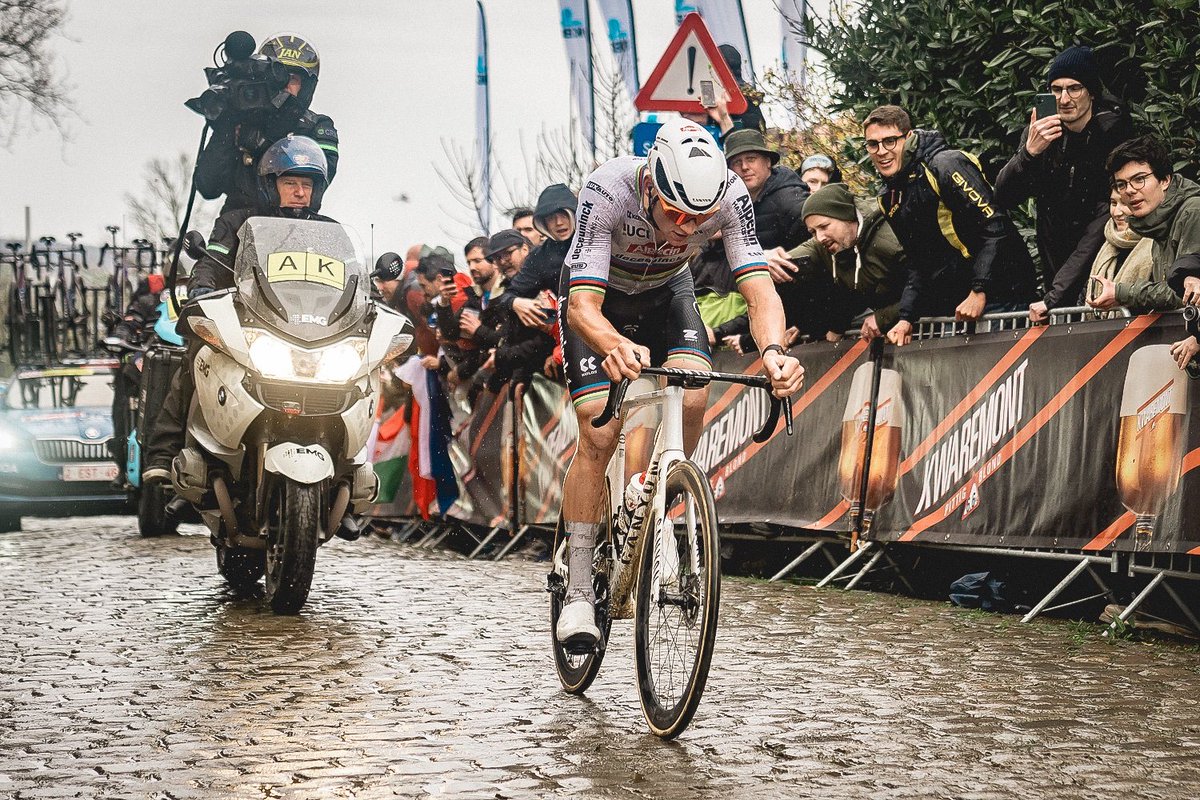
(971, 70)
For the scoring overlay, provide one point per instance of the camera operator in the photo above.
(228, 164)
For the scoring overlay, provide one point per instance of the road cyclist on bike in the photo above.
(628, 301)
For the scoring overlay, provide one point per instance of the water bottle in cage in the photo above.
(632, 505)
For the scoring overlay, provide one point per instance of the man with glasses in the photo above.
(1060, 164)
(1163, 207)
(627, 301)
(508, 250)
(966, 256)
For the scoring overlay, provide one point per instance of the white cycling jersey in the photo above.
(615, 247)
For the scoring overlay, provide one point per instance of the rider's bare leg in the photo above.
(583, 495)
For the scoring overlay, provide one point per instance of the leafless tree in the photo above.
(157, 211)
(31, 84)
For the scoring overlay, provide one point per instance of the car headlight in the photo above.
(274, 358)
(8, 441)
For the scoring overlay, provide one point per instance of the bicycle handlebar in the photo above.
(693, 379)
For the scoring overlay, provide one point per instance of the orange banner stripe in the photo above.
(833, 516)
(967, 403)
(1122, 523)
(807, 399)
(486, 424)
(1023, 436)
(731, 391)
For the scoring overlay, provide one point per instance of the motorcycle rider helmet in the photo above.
(294, 52)
(293, 155)
(687, 168)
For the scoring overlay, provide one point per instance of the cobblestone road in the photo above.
(127, 670)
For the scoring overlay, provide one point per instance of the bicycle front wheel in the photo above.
(677, 602)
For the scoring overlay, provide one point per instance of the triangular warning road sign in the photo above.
(691, 57)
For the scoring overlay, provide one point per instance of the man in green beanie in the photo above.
(853, 263)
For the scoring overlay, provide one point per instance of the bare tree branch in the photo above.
(157, 212)
(31, 84)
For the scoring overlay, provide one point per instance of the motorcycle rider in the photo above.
(292, 178)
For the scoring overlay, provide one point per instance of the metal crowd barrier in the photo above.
(941, 327)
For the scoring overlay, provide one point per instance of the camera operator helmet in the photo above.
(300, 57)
(293, 155)
(687, 168)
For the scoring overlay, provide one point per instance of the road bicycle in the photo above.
(658, 562)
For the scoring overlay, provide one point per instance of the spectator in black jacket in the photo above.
(967, 257)
(778, 195)
(1060, 164)
(527, 346)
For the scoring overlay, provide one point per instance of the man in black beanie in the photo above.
(1060, 164)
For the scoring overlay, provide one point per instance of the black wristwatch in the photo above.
(778, 348)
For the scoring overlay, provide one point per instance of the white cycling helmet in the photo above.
(687, 168)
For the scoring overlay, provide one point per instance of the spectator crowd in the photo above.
(1116, 228)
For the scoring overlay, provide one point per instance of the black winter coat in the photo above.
(221, 168)
(1069, 185)
(777, 219)
(941, 209)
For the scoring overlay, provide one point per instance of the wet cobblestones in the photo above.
(128, 670)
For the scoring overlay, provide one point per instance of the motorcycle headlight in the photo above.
(274, 358)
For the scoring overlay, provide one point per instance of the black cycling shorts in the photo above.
(665, 319)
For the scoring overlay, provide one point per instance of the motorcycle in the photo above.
(287, 383)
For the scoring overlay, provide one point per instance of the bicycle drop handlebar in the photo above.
(693, 379)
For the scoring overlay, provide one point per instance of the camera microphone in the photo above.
(239, 46)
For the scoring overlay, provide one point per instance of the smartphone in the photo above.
(447, 271)
(708, 96)
(548, 314)
(1045, 105)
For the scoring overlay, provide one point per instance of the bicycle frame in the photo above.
(667, 450)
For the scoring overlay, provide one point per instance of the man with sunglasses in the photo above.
(1060, 164)
(627, 301)
(971, 258)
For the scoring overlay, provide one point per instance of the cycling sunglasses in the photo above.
(677, 217)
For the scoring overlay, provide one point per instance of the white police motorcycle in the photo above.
(287, 383)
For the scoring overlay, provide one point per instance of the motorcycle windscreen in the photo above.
(307, 278)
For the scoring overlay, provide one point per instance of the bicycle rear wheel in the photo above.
(677, 605)
(576, 671)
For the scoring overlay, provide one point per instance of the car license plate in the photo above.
(89, 472)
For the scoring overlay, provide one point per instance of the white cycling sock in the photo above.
(581, 550)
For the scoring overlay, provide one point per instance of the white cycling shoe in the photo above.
(577, 624)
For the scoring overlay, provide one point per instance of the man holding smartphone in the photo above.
(1060, 164)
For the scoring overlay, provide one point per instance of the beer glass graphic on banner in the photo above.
(885, 448)
(1149, 450)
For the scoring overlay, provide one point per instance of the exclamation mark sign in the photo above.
(691, 57)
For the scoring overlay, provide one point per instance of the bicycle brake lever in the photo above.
(616, 396)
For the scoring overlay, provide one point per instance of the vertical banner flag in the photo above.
(577, 36)
(618, 19)
(483, 122)
(728, 26)
(794, 53)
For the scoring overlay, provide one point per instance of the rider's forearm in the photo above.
(765, 310)
(588, 321)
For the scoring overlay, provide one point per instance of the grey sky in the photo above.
(397, 76)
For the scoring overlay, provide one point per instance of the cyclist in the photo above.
(629, 301)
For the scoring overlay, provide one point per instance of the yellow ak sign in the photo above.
(311, 267)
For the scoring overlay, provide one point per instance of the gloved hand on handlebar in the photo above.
(198, 292)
